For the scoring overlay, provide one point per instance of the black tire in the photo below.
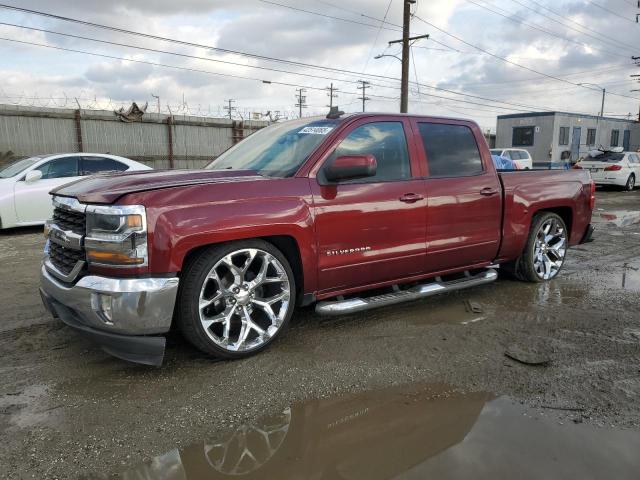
(631, 183)
(523, 267)
(192, 279)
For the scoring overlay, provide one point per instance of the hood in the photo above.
(110, 187)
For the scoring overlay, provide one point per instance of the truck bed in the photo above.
(567, 192)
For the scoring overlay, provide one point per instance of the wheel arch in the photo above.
(565, 213)
(287, 244)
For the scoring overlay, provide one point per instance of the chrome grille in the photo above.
(64, 259)
(69, 220)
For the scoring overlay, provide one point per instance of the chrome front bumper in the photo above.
(139, 307)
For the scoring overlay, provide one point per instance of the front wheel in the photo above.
(545, 250)
(236, 298)
(631, 183)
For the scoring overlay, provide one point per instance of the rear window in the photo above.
(605, 157)
(451, 150)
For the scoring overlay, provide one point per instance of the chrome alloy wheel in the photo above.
(244, 299)
(549, 249)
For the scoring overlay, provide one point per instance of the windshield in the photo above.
(605, 157)
(278, 150)
(17, 167)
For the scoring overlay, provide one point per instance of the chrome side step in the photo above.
(341, 307)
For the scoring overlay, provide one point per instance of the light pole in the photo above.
(604, 92)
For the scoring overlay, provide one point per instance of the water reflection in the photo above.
(408, 432)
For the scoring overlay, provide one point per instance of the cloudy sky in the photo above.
(483, 57)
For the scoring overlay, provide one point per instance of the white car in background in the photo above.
(25, 184)
(612, 167)
(520, 157)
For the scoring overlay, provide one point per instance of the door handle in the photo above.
(488, 191)
(411, 198)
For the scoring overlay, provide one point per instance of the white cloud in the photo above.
(264, 29)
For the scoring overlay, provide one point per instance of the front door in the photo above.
(370, 230)
(464, 209)
(32, 200)
(575, 143)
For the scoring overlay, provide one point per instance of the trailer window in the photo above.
(522, 137)
(451, 150)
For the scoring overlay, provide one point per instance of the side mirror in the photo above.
(349, 167)
(33, 176)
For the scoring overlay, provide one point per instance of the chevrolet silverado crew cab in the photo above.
(315, 210)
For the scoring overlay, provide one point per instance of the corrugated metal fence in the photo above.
(160, 141)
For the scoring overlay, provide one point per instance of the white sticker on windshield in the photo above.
(316, 130)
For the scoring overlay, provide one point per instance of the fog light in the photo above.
(103, 305)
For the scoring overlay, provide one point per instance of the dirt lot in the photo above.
(68, 410)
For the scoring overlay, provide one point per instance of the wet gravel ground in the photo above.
(68, 410)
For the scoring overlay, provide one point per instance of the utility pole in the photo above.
(637, 77)
(302, 100)
(331, 95)
(157, 97)
(230, 108)
(363, 86)
(406, 38)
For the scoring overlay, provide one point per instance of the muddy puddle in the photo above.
(618, 218)
(405, 432)
(455, 309)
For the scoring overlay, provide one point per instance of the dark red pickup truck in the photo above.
(312, 210)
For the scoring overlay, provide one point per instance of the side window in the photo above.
(451, 150)
(615, 136)
(508, 154)
(517, 155)
(523, 137)
(60, 168)
(564, 136)
(93, 165)
(386, 141)
(633, 158)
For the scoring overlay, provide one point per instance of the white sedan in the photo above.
(520, 157)
(25, 184)
(613, 167)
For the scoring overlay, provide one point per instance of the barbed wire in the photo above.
(86, 102)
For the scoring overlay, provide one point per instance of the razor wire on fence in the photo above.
(176, 140)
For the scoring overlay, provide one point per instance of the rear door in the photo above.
(464, 201)
(370, 230)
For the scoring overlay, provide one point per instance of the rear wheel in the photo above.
(631, 183)
(545, 250)
(236, 298)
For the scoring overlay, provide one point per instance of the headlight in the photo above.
(116, 235)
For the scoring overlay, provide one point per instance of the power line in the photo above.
(584, 30)
(560, 79)
(214, 48)
(375, 40)
(175, 41)
(519, 20)
(155, 37)
(611, 12)
(259, 67)
(347, 20)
